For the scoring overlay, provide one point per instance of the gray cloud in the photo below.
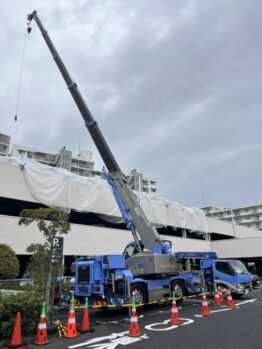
(175, 87)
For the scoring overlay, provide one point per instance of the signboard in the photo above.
(57, 250)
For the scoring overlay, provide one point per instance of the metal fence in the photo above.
(14, 284)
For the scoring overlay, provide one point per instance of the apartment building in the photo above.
(4, 144)
(139, 182)
(249, 216)
(81, 165)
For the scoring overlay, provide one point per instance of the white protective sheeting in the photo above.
(58, 187)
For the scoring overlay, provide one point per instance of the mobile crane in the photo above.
(147, 270)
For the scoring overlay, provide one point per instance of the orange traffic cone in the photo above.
(230, 303)
(71, 320)
(175, 320)
(41, 336)
(134, 330)
(217, 297)
(16, 340)
(85, 325)
(220, 295)
(205, 308)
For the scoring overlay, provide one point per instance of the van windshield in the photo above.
(238, 267)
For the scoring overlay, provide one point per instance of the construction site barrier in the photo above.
(128, 305)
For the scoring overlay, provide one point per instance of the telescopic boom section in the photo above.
(146, 231)
(90, 123)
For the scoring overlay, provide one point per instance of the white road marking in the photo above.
(248, 301)
(166, 322)
(226, 309)
(99, 339)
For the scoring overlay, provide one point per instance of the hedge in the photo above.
(28, 303)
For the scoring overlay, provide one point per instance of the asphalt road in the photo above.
(230, 329)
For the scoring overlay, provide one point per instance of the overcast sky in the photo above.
(175, 86)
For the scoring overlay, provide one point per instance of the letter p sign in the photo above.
(55, 242)
(58, 242)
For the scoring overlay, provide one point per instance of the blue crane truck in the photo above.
(150, 272)
(226, 273)
(147, 270)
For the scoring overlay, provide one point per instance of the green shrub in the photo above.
(9, 264)
(29, 304)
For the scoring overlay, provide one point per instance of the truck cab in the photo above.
(228, 274)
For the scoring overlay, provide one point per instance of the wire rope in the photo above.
(20, 76)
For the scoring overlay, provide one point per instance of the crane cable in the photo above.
(21, 75)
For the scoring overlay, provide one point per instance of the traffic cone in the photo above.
(217, 297)
(230, 303)
(16, 340)
(220, 295)
(205, 308)
(41, 335)
(134, 330)
(71, 320)
(85, 325)
(175, 320)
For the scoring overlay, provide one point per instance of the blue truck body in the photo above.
(107, 281)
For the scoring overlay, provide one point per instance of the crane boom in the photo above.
(148, 234)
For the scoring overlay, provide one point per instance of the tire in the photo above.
(179, 289)
(138, 294)
(237, 296)
(224, 289)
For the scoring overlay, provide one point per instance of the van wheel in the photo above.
(138, 294)
(179, 290)
(223, 289)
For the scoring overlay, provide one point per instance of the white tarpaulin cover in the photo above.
(58, 187)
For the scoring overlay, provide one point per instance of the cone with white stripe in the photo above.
(175, 320)
(41, 335)
(205, 308)
(134, 330)
(230, 303)
(217, 297)
(71, 320)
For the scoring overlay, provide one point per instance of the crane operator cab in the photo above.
(132, 248)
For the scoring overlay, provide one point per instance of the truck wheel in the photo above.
(223, 289)
(138, 294)
(179, 290)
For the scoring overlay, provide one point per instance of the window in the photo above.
(224, 267)
(83, 274)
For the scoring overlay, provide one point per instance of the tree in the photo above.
(51, 221)
(38, 265)
(9, 264)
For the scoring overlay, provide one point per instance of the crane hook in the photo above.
(29, 29)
